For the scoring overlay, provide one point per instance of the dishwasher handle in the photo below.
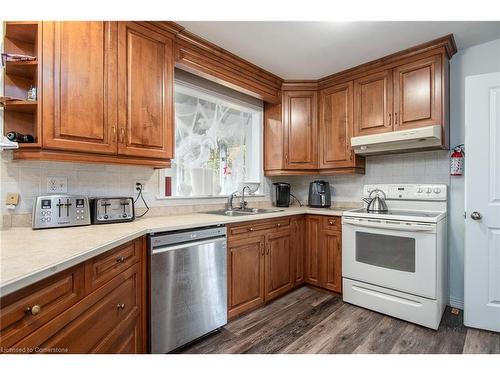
(183, 245)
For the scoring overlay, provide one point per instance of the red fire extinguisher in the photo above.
(457, 161)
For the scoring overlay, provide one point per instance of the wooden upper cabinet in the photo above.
(273, 137)
(300, 129)
(79, 86)
(417, 93)
(145, 92)
(336, 126)
(373, 104)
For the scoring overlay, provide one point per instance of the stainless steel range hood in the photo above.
(420, 138)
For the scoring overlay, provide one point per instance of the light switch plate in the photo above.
(57, 184)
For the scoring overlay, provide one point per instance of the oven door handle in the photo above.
(401, 227)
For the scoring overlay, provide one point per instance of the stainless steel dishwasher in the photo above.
(188, 286)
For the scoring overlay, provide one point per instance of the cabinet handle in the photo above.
(278, 225)
(395, 118)
(122, 135)
(332, 222)
(390, 119)
(35, 310)
(120, 260)
(251, 229)
(267, 250)
(120, 306)
(113, 130)
(286, 158)
(262, 249)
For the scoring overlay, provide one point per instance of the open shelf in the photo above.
(21, 106)
(27, 69)
(22, 37)
(23, 31)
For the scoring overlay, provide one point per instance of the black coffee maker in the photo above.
(281, 194)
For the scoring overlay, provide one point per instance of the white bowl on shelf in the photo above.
(253, 187)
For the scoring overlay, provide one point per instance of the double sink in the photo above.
(243, 211)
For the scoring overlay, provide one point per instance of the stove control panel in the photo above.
(434, 192)
(54, 211)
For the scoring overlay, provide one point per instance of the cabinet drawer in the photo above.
(259, 226)
(103, 268)
(88, 325)
(332, 223)
(25, 311)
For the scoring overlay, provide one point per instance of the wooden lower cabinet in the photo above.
(245, 274)
(279, 262)
(264, 262)
(58, 315)
(313, 249)
(298, 246)
(324, 252)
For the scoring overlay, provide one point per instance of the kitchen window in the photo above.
(218, 140)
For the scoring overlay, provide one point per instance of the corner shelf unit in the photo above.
(22, 116)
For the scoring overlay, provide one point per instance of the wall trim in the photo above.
(457, 302)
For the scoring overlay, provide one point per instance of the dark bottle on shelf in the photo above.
(21, 138)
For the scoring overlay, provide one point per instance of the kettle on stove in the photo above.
(376, 204)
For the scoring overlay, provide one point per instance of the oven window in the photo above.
(393, 252)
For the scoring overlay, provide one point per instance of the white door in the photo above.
(482, 201)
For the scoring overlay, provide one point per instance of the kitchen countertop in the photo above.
(27, 255)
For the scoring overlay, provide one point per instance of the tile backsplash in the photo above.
(29, 179)
(418, 167)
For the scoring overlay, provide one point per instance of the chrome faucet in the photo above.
(243, 204)
(229, 204)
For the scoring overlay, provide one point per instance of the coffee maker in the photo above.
(281, 194)
(319, 194)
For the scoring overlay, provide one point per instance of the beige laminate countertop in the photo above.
(27, 256)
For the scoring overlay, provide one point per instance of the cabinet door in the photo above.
(79, 86)
(245, 274)
(331, 260)
(417, 94)
(373, 104)
(145, 92)
(301, 123)
(273, 137)
(279, 261)
(313, 248)
(336, 126)
(298, 247)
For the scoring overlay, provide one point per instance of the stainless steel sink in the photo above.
(243, 212)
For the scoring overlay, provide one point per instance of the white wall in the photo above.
(480, 59)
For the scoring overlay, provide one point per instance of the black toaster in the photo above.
(106, 210)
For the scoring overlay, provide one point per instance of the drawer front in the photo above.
(259, 226)
(103, 268)
(87, 326)
(25, 311)
(332, 223)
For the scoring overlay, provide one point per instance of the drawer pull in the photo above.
(251, 229)
(332, 222)
(35, 310)
(120, 306)
(278, 225)
(120, 260)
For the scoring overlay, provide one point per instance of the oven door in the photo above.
(392, 254)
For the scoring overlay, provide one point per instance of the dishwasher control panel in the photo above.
(188, 235)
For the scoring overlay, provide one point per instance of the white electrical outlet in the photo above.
(144, 186)
(57, 184)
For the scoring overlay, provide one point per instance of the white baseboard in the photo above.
(457, 302)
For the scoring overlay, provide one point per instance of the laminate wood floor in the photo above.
(308, 320)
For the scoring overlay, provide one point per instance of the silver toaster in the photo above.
(112, 210)
(54, 211)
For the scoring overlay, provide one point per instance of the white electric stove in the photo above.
(395, 262)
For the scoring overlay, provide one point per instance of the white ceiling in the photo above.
(311, 50)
